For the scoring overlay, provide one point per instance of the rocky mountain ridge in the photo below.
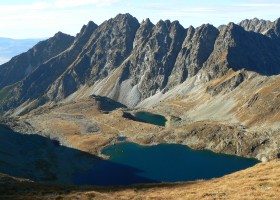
(129, 62)
(10, 47)
(24, 64)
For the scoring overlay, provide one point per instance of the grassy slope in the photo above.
(259, 182)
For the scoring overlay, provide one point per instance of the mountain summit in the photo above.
(130, 62)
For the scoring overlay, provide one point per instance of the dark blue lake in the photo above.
(130, 163)
(150, 118)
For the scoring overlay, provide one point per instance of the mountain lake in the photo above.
(130, 163)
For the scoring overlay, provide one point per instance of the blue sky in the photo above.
(43, 18)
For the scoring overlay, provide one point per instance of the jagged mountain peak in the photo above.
(257, 25)
(277, 22)
(204, 28)
(231, 34)
(191, 27)
(167, 26)
(176, 24)
(146, 21)
(129, 62)
(122, 19)
(196, 48)
(207, 25)
(60, 34)
(237, 49)
(125, 16)
(163, 25)
(143, 32)
(232, 26)
(277, 25)
(24, 64)
(83, 36)
(89, 25)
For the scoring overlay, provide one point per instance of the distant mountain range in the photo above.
(129, 62)
(12, 47)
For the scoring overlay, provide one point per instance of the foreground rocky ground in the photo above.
(259, 182)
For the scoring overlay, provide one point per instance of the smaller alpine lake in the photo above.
(130, 163)
(150, 118)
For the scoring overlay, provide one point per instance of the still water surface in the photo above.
(131, 163)
(150, 118)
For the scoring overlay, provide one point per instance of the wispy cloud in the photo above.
(259, 5)
(43, 18)
(263, 1)
(56, 4)
(16, 8)
(234, 10)
(75, 3)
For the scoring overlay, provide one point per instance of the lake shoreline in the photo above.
(159, 163)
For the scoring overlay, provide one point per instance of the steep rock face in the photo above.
(196, 49)
(129, 62)
(24, 64)
(110, 44)
(151, 62)
(238, 49)
(268, 28)
(256, 25)
(274, 32)
(34, 86)
(143, 33)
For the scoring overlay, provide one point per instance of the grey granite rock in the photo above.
(24, 64)
(196, 49)
(129, 62)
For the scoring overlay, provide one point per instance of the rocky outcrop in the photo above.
(268, 28)
(256, 25)
(238, 49)
(275, 31)
(220, 138)
(24, 64)
(34, 86)
(196, 49)
(150, 64)
(110, 44)
(129, 62)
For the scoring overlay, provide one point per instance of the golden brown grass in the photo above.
(261, 105)
(259, 182)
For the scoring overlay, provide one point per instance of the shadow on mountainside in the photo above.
(253, 51)
(45, 160)
(107, 104)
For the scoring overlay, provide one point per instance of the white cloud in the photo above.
(259, 5)
(264, 1)
(16, 8)
(44, 18)
(75, 3)
(56, 4)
